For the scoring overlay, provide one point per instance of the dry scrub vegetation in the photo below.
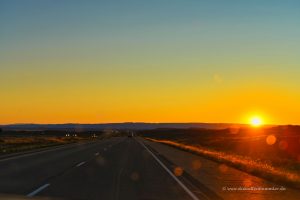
(271, 153)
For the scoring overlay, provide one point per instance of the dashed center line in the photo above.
(33, 193)
(79, 164)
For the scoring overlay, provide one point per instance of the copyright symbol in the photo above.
(224, 188)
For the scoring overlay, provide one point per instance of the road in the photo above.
(117, 168)
(125, 168)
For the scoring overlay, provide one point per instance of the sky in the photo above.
(149, 61)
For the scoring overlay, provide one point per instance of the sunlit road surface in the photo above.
(126, 168)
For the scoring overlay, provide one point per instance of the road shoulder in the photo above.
(223, 180)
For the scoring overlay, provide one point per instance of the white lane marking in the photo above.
(31, 194)
(118, 184)
(79, 164)
(187, 190)
(97, 154)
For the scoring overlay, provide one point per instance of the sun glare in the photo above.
(256, 121)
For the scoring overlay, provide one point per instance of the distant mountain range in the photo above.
(128, 125)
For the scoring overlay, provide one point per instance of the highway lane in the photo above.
(117, 168)
(23, 173)
(126, 171)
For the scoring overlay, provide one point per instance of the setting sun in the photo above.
(256, 121)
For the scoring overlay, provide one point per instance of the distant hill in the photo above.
(120, 126)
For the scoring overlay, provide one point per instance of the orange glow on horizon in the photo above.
(135, 104)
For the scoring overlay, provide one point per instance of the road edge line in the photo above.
(185, 188)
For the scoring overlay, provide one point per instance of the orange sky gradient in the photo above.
(198, 61)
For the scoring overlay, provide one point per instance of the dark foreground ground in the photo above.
(124, 168)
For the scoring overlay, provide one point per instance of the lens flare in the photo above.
(271, 139)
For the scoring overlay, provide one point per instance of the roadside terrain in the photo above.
(22, 141)
(271, 152)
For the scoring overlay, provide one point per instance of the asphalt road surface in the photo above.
(126, 168)
(117, 168)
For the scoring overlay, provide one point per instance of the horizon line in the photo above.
(131, 122)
